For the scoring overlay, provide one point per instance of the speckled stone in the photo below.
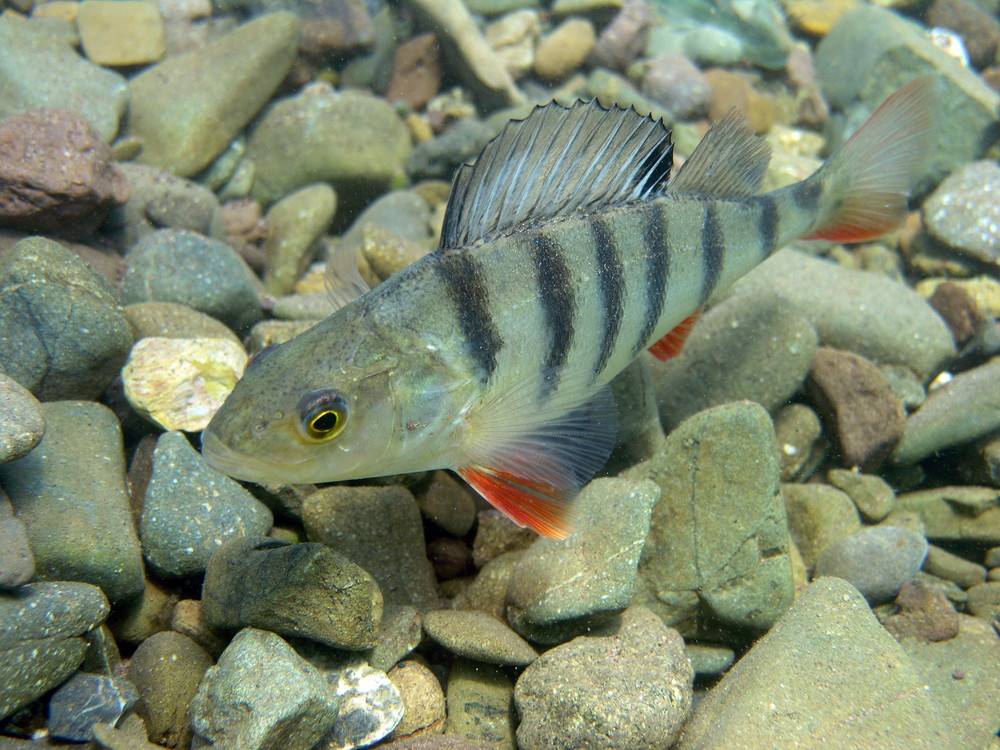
(634, 684)
(876, 560)
(422, 697)
(173, 265)
(167, 669)
(86, 699)
(478, 636)
(191, 510)
(21, 422)
(161, 200)
(818, 515)
(304, 590)
(70, 494)
(173, 320)
(963, 212)
(17, 563)
(260, 695)
(40, 643)
(924, 613)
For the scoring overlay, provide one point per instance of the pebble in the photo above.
(962, 675)
(356, 143)
(984, 601)
(951, 567)
(261, 695)
(958, 309)
(980, 31)
(56, 174)
(857, 311)
(304, 590)
(86, 699)
(118, 33)
(480, 704)
(380, 529)
(161, 200)
(416, 73)
(21, 422)
(46, 292)
(623, 40)
(269, 332)
(186, 619)
(436, 742)
(559, 588)
(17, 562)
(166, 669)
(858, 406)
(40, 643)
(956, 514)
(634, 685)
(817, 17)
(513, 38)
(399, 633)
(496, 534)
(176, 265)
(718, 544)
(744, 348)
(404, 213)
(173, 320)
(70, 494)
(849, 671)
(488, 590)
(438, 157)
(873, 496)
(710, 45)
(370, 706)
(482, 67)
(423, 700)
(449, 504)
(40, 55)
(190, 510)
(128, 734)
(675, 82)
(478, 636)
(564, 51)
(963, 409)
(185, 118)
(388, 253)
(709, 659)
(963, 213)
(877, 561)
(801, 445)
(924, 613)
(818, 515)
(179, 384)
(731, 90)
(295, 225)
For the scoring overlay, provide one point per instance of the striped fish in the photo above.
(566, 251)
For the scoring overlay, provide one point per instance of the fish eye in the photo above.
(324, 414)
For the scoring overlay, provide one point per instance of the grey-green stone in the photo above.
(39, 67)
(62, 333)
(963, 214)
(185, 117)
(826, 673)
(857, 311)
(380, 529)
(559, 588)
(21, 422)
(294, 226)
(180, 266)
(479, 636)
(175, 321)
(718, 537)
(305, 590)
(818, 515)
(356, 143)
(70, 493)
(190, 510)
(481, 704)
(956, 514)
(874, 496)
(161, 200)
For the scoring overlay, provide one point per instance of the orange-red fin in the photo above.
(543, 508)
(870, 176)
(671, 345)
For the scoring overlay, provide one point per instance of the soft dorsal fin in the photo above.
(730, 161)
(557, 160)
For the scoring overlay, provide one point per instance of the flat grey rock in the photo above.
(479, 636)
(877, 561)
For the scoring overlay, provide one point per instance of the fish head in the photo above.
(312, 411)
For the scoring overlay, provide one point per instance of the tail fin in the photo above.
(865, 183)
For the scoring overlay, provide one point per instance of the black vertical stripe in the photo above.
(711, 250)
(466, 287)
(555, 288)
(767, 224)
(654, 239)
(610, 275)
(807, 193)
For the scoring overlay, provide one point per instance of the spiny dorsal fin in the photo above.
(557, 160)
(730, 161)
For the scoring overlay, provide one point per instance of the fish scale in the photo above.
(565, 252)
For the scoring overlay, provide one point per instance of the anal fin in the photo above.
(671, 345)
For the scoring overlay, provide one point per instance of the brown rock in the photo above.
(565, 50)
(924, 613)
(730, 91)
(857, 402)
(979, 30)
(335, 27)
(958, 309)
(624, 38)
(423, 700)
(416, 73)
(450, 557)
(56, 175)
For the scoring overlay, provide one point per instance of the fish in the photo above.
(567, 250)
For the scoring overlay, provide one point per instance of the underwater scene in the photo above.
(499, 374)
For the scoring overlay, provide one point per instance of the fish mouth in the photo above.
(225, 460)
